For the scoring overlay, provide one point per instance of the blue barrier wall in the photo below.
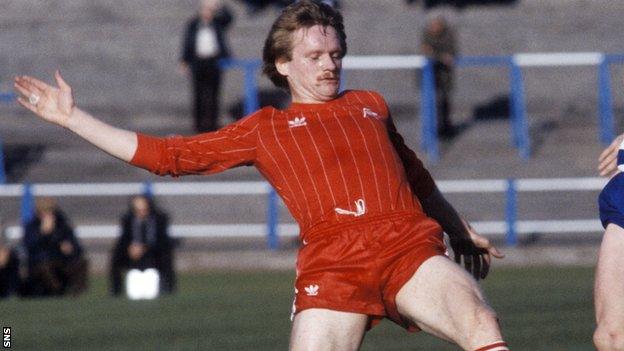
(511, 226)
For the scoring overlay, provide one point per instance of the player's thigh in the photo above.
(444, 300)
(609, 286)
(323, 329)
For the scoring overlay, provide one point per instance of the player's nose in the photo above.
(327, 62)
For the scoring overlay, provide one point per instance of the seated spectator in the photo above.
(144, 243)
(55, 257)
(9, 267)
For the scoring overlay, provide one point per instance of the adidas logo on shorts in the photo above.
(312, 290)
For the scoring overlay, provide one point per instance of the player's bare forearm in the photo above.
(115, 141)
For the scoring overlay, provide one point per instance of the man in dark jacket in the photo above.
(55, 261)
(204, 44)
(144, 243)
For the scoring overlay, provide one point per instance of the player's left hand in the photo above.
(475, 250)
(53, 104)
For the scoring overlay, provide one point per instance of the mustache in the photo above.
(329, 76)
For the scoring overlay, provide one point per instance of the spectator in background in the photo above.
(55, 257)
(439, 45)
(9, 267)
(204, 44)
(144, 243)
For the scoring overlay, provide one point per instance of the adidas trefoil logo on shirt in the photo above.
(367, 112)
(312, 290)
(297, 122)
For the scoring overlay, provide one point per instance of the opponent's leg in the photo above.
(609, 291)
(444, 300)
(319, 329)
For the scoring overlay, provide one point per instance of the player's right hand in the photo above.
(607, 161)
(50, 103)
(474, 250)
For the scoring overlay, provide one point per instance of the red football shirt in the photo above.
(329, 162)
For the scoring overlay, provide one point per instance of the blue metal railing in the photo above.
(519, 121)
(511, 213)
(429, 132)
(519, 124)
(250, 69)
(605, 97)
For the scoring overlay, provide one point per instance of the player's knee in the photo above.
(487, 317)
(609, 338)
(484, 327)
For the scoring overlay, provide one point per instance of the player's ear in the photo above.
(282, 66)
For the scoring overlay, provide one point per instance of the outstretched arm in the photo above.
(56, 105)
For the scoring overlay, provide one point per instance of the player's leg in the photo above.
(609, 291)
(444, 300)
(323, 329)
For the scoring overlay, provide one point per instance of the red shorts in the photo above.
(360, 266)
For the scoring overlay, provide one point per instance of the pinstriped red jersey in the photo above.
(329, 162)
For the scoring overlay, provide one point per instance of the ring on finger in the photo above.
(33, 99)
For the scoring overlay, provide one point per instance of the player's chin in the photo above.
(329, 89)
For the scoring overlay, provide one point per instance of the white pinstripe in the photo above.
(353, 156)
(383, 155)
(283, 177)
(370, 159)
(305, 163)
(210, 152)
(344, 181)
(400, 169)
(397, 160)
(331, 192)
(290, 163)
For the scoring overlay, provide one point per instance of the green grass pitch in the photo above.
(547, 308)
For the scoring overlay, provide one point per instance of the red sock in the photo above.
(497, 346)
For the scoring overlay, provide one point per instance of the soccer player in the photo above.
(370, 215)
(609, 285)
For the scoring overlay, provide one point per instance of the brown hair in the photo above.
(45, 204)
(302, 14)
